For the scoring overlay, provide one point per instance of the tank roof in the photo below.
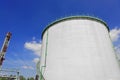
(75, 17)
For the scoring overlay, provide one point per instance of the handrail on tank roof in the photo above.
(75, 17)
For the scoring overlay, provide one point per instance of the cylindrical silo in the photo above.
(78, 48)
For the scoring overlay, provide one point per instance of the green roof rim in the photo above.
(72, 18)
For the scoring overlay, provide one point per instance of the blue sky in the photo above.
(26, 19)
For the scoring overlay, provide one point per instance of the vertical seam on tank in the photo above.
(44, 66)
(41, 76)
(39, 70)
(46, 48)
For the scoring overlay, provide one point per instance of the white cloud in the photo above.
(115, 34)
(27, 67)
(35, 60)
(33, 38)
(33, 46)
(117, 49)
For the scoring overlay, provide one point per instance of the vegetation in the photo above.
(21, 78)
(31, 78)
(3, 78)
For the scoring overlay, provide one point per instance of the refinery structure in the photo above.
(4, 48)
(78, 48)
(9, 74)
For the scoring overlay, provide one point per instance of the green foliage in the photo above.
(3, 78)
(31, 78)
(22, 77)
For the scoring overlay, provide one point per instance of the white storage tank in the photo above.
(78, 48)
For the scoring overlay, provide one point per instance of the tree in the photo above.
(3, 78)
(31, 78)
(22, 77)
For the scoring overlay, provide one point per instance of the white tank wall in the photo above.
(78, 49)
